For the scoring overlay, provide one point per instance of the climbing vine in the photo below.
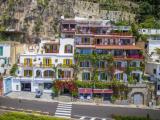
(94, 59)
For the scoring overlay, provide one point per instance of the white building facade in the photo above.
(153, 37)
(4, 57)
(43, 63)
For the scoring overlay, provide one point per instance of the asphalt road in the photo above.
(106, 111)
(29, 105)
(79, 110)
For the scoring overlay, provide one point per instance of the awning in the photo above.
(85, 90)
(102, 91)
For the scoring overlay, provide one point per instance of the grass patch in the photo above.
(25, 116)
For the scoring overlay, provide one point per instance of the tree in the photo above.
(13, 70)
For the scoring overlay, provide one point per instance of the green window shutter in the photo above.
(1, 51)
(30, 72)
(25, 73)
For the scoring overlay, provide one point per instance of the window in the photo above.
(27, 73)
(134, 64)
(1, 51)
(85, 40)
(56, 60)
(47, 62)
(99, 41)
(67, 61)
(51, 48)
(68, 49)
(86, 76)
(67, 74)
(64, 74)
(48, 86)
(85, 64)
(154, 71)
(48, 74)
(65, 26)
(28, 62)
(103, 76)
(38, 73)
(72, 26)
(101, 64)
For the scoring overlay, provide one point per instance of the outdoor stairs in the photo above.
(64, 110)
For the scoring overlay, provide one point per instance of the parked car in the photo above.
(38, 94)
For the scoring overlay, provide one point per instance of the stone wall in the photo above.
(138, 88)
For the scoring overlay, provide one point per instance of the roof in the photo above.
(122, 47)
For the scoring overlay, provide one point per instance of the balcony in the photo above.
(26, 65)
(68, 28)
(44, 65)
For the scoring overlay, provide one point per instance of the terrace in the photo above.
(51, 48)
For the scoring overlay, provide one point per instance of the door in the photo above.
(8, 85)
(138, 99)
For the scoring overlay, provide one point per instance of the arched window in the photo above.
(38, 73)
(68, 49)
(49, 74)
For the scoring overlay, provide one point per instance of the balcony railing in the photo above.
(68, 30)
(38, 65)
(27, 65)
(44, 65)
(81, 43)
